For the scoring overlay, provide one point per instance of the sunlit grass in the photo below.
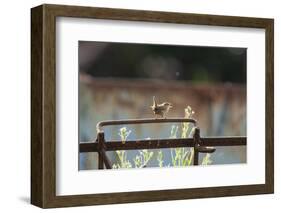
(183, 156)
(122, 154)
(180, 157)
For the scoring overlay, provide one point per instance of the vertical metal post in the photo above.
(196, 138)
(100, 147)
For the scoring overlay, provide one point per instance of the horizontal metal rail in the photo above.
(163, 143)
(144, 121)
(200, 145)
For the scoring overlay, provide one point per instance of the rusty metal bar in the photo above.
(100, 147)
(103, 159)
(107, 162)
(199, 148)
(196, 158)
(224, 141)
(200, 145)
(196, 139)
(143, 121)
(100, 160)
(163, 143)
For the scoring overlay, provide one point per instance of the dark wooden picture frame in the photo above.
(43, 105)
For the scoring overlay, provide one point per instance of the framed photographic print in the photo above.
(136, 106)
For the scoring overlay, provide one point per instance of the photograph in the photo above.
(132, 105)
(174, 89)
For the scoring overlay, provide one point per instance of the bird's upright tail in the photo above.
(154, 102)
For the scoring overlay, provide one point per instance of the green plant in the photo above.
(124, 133)
(207, 159)
(122, 154)
(174, 131)
(179, 156)
(123, 162)
(183, 156)
(160, 159)
(142, 159)
(187, 127)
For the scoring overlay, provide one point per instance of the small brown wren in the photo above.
(160, 109)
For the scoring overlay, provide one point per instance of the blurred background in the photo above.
(118, 81)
